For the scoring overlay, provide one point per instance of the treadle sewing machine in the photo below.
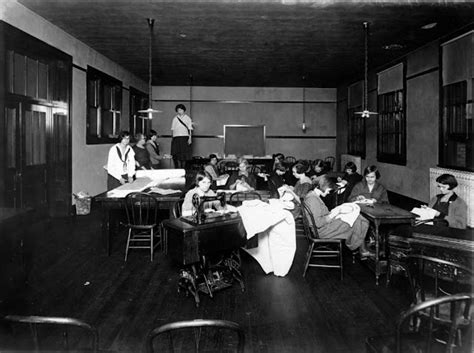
(207, 244)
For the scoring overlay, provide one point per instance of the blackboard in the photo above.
(244, 140)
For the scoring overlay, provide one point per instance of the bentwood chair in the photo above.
(238, 197)
(330, 162)
(290, 160)
(47, 334)
(421, 329)
(320, 248)
(432, 277)
(197, 336)
(143, 223)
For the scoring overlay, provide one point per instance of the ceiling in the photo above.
(272, 43)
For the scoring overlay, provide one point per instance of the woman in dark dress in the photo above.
(369, 189)
(349, 180)
(142, 156)
(276, 179)
(242, 179)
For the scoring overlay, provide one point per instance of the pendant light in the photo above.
(365, 113)
(150, 111)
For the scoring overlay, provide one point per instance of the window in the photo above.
(138, 101)
(457, 141)
(104, 107)
(356, 123)
(391, 118)
(391, 128)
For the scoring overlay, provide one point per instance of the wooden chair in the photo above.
(238, 197)
(229, 166)
(142, 217)
(330, 162)
(421, 329)
(290, 160)
(432, 277)
(26, 332)
(197, 336)
(320, 248)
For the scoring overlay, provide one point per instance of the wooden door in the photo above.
(59, 174)
(26, 167)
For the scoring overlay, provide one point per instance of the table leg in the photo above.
(106, 229)
(377, 247)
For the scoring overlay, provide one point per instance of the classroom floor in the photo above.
(71, 276)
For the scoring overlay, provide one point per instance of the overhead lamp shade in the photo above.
(149, 113)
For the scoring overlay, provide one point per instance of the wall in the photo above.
(279, 109)
(422, 124)
(87, 160)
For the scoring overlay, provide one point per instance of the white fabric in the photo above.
(348, 212)
(116, 166)
(178, 128)
(276, 235)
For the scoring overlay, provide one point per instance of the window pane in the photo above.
(42, 81)
(19, 78)
(31, 78)
(11, 137)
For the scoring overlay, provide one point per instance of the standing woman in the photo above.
(153, 148)
(181, 128)
(451, 209)
(369, 188)
(120, 162)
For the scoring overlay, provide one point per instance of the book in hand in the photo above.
(424, 213)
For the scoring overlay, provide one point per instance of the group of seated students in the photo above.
(313, 184)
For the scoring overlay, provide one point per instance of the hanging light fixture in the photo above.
(365, 113)
(150, 111)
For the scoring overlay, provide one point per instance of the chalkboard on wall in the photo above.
(244, 140)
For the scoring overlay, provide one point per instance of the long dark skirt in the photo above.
(180, 149)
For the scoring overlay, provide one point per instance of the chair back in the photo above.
(176, 210)
(432, 277)
(255, 169)
(309, 224)
(330, 162)
(197, 336)
(424, 320)
(142, 209)
(238, 197)
(290, 160)
(229, 166)
(66, 326)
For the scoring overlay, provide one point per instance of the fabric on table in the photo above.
(275, 228)
(348, 217)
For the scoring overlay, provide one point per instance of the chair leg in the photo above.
(308, 258)
(340, 261)
(151, 244)
(128, 242)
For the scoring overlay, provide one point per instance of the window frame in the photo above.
(146, 124)
(105, 85)
(356, 121)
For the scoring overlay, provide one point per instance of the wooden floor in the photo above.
(72, 277)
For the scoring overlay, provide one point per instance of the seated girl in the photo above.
(319, 168)
(350, 179)
(303, 184)
(327, 223)
(202, 188)
(451, 209)
(211, 168)
(242, 180)
(275, 179)
(369, 190)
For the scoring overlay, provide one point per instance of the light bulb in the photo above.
(303, 127)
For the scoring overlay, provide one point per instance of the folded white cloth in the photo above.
(348, 212)
(276, 235)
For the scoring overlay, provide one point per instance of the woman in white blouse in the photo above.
(181, 128)
(120, 162)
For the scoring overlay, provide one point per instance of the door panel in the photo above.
(34, 158)
(59, 173)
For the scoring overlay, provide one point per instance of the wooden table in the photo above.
(451, 244)
(209, 252)
(110, 203)
(378, 214)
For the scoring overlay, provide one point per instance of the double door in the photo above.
(37, 158)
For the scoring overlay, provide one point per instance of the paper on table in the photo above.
(164, 191)
(222, 179)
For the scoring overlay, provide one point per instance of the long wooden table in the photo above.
(380, 214)
(451, 244)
